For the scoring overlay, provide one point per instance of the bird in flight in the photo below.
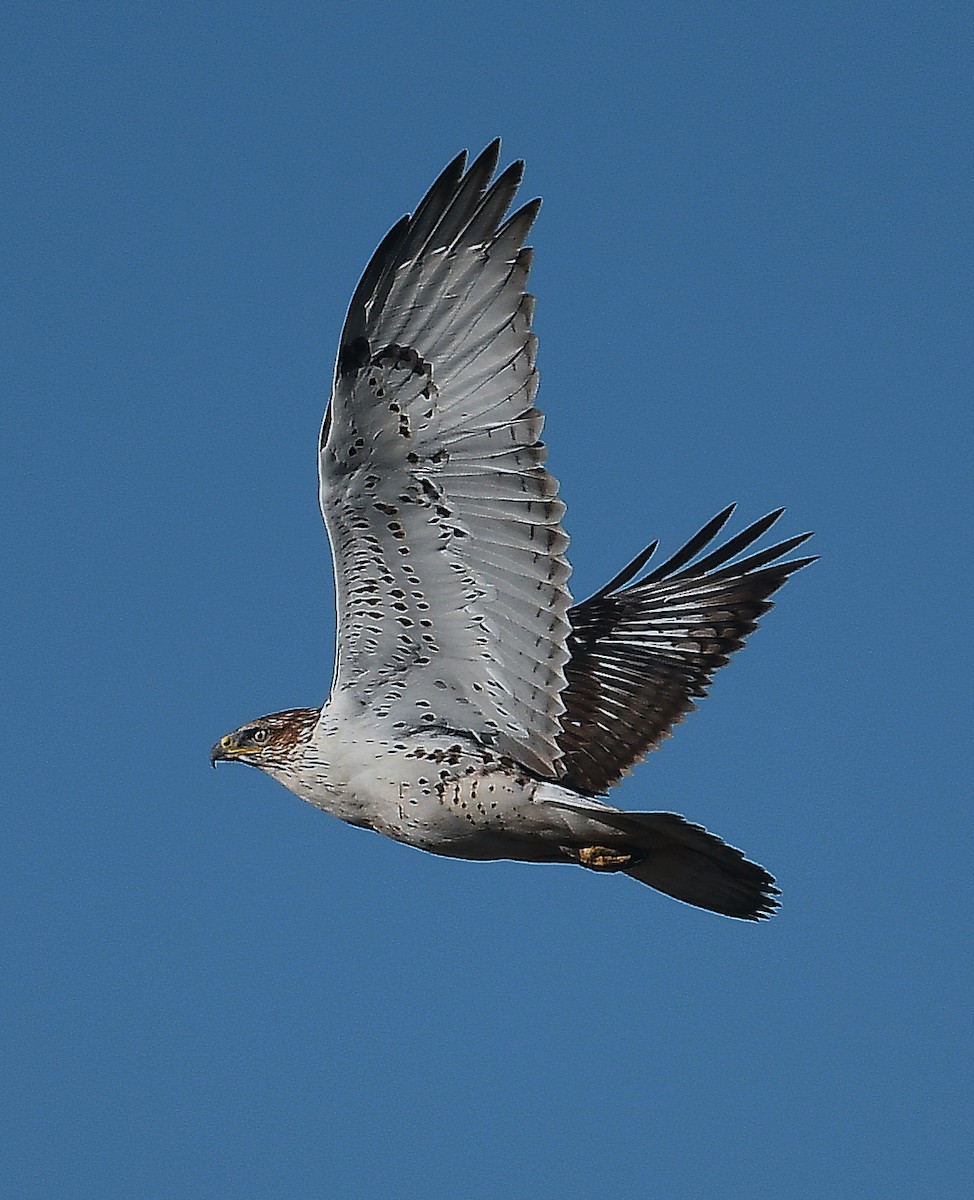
(475, 711)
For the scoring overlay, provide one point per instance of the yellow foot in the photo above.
(604, 858)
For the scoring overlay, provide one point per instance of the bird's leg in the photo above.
(601, 858)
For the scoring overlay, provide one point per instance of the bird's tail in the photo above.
(674, 856)
(688, 862)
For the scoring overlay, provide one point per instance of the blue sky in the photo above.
(752, 271)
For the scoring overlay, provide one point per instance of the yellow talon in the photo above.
(603, 858)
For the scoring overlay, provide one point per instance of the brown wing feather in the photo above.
(641, 654)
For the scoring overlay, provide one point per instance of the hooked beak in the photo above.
(222, 751)
(227, 750)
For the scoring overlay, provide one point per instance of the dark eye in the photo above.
(260, 735)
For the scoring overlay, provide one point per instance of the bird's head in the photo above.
(272, 743)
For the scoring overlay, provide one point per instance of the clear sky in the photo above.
(752, 270)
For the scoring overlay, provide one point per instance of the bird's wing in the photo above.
(641, 654)
(444, 524)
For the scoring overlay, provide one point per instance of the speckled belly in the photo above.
(448, 799)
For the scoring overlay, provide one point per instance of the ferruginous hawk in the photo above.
(474, 711)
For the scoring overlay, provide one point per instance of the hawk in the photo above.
(474, 710)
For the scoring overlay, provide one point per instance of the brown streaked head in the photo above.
(269, 741)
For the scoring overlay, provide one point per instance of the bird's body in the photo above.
(474, 711)
(436, 791)
(439, 792)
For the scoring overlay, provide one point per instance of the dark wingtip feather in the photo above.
(628, 572)
(527, 214)
(762, 558)
(723, 554)
(454, 199)
(491, 153)
(693, 547)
